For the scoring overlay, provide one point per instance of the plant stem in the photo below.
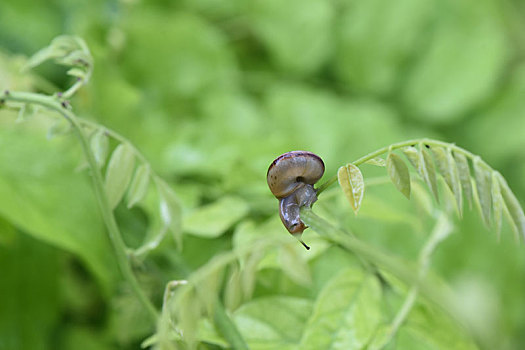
(115, 236)
(227, 328)
(441, 230)
(395, 146)
(400, 269)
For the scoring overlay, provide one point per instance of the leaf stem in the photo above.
(115, 236)
(383, 150)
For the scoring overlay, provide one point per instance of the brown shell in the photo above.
(292, 170)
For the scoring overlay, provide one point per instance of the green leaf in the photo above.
(274, 322)
(346, 313)
(77, 58)
(427, 328)
(77, 72)
(196, 61)
(118, 173)
(294, 264)
(399, 174)
(40, 57)
(477, 37)
(139, 185)
(428, 170)
(454, 177)
(214, 219)
(292, 27)
(249, 273)
(464, 175)
(377, 161)
(382, 337)
(351, 181)
(188, 309)
(65, 49)
(513, 206)
(59, 127)
(412, 155)
(26, 111)
(374, 38)
(42, 195)
(129, 319)
(209, 288)
(448, 169)
(82, 337)
(170, 211)
(497, 202)
(483, 179)
(29, 292)
(440, 155)
(233, 295)
(99, 146)
(422, 162)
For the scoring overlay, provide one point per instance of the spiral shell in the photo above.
(292, 170)
(291, 178)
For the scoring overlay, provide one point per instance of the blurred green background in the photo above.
(211, 91)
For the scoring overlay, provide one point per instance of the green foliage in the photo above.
(38, 190)
(158, 142)
(346, 313)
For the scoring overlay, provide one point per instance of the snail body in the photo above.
(291, 178)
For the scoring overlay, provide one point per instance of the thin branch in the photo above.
(401, 269)
(395, 146)
(115, 236)
(441, 230)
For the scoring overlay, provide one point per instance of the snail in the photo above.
(291, 177)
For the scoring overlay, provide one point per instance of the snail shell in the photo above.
(293, 170)
(291, 178)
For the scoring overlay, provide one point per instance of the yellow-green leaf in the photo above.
(249, 272)
(77, 72)
(483, 179)
(454, 177)
(209, 288)
(412, 155)
(170, 211)
(118, 174)
(214, 219)
(294, 264)
(464, 175)
(346, 313)
(233, 293)
(440, 156)
(377, 161)
(447, 168)
(399, 174)
(188, 308)
(99, 146)
(428, 170)
(422, 162)
(139, 185)
(59, 127)
(513, 206)
(26, 111)
(352, 183)
(497, 203)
